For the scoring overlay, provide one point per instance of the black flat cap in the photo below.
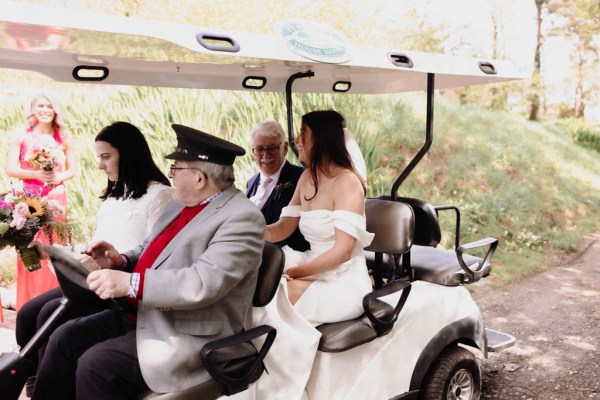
(194, 145)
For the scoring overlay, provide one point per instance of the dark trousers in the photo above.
(38, 310)
(91, 358)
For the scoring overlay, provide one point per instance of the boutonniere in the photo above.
(281, 187)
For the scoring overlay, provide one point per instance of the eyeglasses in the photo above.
(173, 168)
(271, 150)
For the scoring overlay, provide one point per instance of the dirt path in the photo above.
(555, 316)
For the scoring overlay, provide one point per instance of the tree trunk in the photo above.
(537, 65)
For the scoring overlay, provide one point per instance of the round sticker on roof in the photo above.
(315, 41)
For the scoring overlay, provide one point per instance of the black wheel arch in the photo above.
(468, 331)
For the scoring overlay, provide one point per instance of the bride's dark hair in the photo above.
(329, 144)
(136, 166)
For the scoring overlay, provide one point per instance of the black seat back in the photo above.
(427, 230)
(393, 225)
(269, 275)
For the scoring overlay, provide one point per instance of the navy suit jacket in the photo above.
(276, 201)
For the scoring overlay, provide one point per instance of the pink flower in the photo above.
(19, 219)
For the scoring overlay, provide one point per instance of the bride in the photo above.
(328, 282)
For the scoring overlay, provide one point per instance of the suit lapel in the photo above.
(194, 224)
(252, 186)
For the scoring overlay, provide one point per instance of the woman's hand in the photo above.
(39, 248)
(49, 178)
(292, 273)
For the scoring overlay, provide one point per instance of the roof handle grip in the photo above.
(341, 86)
(211, 41)
(487, 67)
(400, 60)
(90, 73)
(254, 82)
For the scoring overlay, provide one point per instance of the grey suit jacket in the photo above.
(199, 288)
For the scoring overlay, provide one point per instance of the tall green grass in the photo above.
(529, 184)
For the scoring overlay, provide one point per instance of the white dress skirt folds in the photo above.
(335, 295)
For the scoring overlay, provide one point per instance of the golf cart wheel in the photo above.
(455, 375)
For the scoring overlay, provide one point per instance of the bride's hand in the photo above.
(289, 273)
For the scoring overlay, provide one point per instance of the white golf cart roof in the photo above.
(76, 46)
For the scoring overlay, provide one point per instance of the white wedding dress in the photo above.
(335, 295)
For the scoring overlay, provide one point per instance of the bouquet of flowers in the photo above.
(22, 216)
(42, 159)
(46, 153)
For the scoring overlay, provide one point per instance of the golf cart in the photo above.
(419, 303)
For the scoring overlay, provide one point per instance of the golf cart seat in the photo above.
(237, 374)
(392, 224)
(429, 263)
(393, 227)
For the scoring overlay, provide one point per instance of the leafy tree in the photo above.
(579, 22)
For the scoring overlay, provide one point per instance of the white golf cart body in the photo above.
(81, 47)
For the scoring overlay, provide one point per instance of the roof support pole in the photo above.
(288, 105)
(428, 138)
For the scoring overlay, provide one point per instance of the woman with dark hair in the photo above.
(136, 191)
(328, 282)
(135, 194)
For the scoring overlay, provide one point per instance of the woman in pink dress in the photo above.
(45, 130)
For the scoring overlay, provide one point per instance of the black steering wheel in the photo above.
(72, 275)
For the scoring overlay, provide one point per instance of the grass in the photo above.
(532, 185)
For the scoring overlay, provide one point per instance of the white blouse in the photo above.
(125, 223)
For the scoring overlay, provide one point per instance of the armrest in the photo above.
(456, 225)
(473, 275)
(238, 383)
(384, 325)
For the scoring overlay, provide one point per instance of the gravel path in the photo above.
(555, 316)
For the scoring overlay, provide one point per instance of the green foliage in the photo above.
(526, 183)
(581, 132)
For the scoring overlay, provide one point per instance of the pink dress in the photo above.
(31, 284)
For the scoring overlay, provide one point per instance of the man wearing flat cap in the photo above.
(189, 283)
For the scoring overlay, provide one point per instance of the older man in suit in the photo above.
(273, 186)
(190, 282)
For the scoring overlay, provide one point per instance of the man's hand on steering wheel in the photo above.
(109, 284)
(104, 254)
